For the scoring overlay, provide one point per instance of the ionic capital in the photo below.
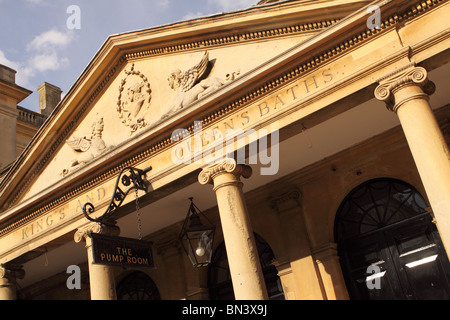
(391, 84)
(227, 166)
(94, 227)
(11, 273)
(291, 198)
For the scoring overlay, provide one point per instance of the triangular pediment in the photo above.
(141, 80)
(145, 93)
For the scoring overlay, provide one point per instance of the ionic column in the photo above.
(243, 259)
(8, 284)
(101, 277)
(407, 94)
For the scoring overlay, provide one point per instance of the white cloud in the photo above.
(44, 53)
(23, 74)
(45, 50)
(6, 62)
(36, 2)
(50, 40)
(44, 62)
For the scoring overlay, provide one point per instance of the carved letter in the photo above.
(263, 107)
(278, 101)
(292, 91)
(244, 115)
(324, 74)
(315, 83)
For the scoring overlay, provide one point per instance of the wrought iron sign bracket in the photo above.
(132, 179)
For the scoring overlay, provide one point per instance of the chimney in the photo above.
(49, 97)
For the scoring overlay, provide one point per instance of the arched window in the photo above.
(219, 278)
(388, 246)
(377, 204)
(137, 286)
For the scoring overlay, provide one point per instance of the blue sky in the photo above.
(36, 41)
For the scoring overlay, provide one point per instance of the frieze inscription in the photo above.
(198, 147)
(61, 214)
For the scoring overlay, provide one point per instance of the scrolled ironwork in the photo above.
(129, 177)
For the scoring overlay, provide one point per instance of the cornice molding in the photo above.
(271, 85)
(236, 39)
(9, 112)
(14, 91)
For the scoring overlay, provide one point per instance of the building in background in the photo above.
(19, 124)
(340, 110)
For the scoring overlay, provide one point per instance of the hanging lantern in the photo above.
(196, 237)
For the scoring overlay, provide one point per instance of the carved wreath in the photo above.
(134, 99)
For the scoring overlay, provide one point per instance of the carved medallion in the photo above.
(134, 100)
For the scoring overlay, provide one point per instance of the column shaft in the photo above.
(7, 289)
(8, 284)
(243, 259)
(101, 277)
(407, 94)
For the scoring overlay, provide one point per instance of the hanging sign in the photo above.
(124, 252)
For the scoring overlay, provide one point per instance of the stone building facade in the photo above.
(312, 134)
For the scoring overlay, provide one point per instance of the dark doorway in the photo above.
(388, 245)
(219, 277)
(137, 286)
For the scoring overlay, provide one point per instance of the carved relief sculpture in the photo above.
(192, 85)
(87, 149)
(134, 100)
